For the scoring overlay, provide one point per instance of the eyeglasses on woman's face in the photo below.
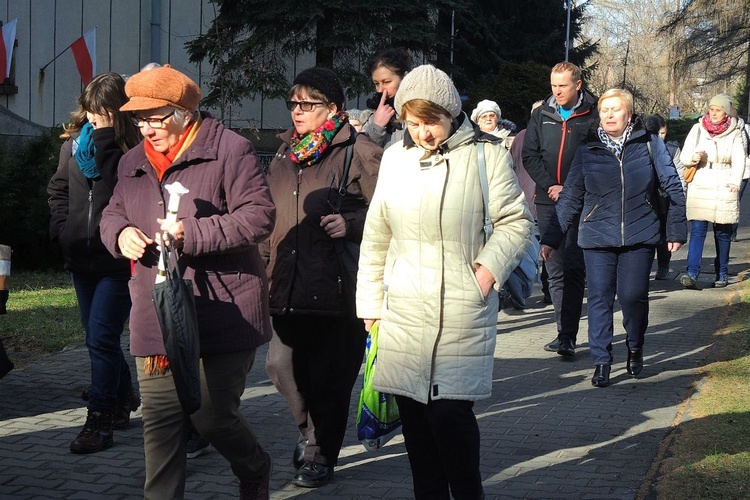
(152, 122)
(305, 106)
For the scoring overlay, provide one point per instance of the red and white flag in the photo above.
(84, 51)
(6, 47)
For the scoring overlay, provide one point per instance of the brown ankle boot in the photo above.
(96, 434)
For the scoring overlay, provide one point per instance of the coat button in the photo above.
(294, 252)
(160, 202)
(315, 297)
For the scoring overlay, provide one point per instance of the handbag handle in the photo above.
(169, 256)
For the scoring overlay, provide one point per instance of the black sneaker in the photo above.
(662, 273)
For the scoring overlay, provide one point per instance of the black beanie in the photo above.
(325, 81)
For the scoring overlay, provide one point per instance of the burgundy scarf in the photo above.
(715, 129)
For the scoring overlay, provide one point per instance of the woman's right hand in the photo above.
(133, 242)
(382, 116)
(547, 252)
(100, 121)
(698, 157)
(370, 322)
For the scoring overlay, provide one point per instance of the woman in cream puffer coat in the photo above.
(426, 274)
(714, 144)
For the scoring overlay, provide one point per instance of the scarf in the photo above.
(308, 150)
(715, 129)
(162, 161)
(84, 154)
(614, 145)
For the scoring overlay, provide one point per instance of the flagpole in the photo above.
(41, 70)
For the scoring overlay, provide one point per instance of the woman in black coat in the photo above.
(96, 138)
(612, 185)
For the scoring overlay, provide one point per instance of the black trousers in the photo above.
(313, 361)
(566, 275)
(442, 441)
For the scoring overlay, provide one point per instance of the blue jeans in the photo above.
(722, 240)
(104, 303)
(623, 271)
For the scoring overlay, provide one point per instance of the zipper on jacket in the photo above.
(622, 200)
(90, 221)
(596, 207)
(560, 154)
(562, 143)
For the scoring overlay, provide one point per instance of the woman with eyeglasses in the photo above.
(227, 212)
(95, 139)
(316, 351)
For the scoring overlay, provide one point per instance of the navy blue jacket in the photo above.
(616, 200)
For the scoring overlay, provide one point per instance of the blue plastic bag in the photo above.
(378, 419)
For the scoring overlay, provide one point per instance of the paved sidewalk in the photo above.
(546, 432)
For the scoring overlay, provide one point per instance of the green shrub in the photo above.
(677, 130)
(24, 213)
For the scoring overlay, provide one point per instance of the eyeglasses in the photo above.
(303, 105)
(155, 123)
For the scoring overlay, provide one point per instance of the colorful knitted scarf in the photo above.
(715, 129)
(85, 152)
(308, 150)
(615, 145)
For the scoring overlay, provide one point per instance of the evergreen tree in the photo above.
(251, 42)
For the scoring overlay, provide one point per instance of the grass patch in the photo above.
(709, 457)
(42, 315)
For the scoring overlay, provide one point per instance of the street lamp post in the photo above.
(567, 32)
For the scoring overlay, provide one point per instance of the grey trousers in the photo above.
(219, 420)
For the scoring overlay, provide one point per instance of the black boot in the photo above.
(6, 364)
(601, 376)
(130, 402)
(635, 362)
(96, 434)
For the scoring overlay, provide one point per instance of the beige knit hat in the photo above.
(159, 87)
(431, 84)
(721, 101)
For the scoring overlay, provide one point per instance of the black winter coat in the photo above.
(76, 204)
(616, 199)
(551, 142)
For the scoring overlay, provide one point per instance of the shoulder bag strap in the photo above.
(482, 167)
(345, 175)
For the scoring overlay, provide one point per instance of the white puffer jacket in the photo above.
(708, 197)
(422, 241)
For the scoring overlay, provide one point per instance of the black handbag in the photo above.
(660, 196)
(347, 251)
(175, 308)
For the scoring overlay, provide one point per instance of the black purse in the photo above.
(175, 308)
(347, 251)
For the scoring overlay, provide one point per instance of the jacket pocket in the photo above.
(591, 213)
(473, 278)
